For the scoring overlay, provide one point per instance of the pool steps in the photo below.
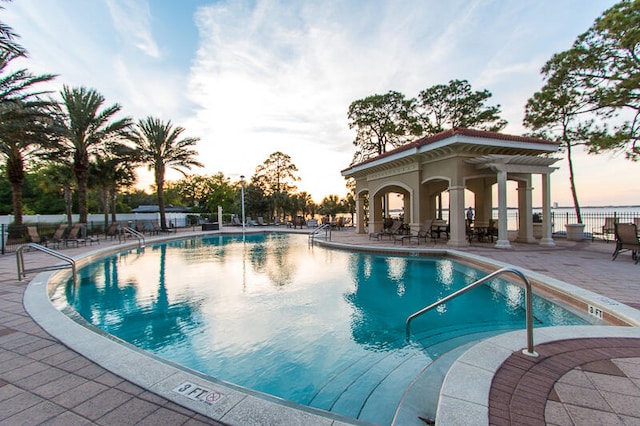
(376, 384)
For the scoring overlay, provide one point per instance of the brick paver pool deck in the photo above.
(572, 381)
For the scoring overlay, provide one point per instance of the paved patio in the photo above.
(598, 379)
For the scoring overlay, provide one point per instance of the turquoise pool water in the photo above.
(323, 328)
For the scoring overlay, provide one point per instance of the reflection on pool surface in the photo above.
(319, 327)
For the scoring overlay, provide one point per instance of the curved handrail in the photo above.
(22, 272)
(138, 235)
(327, 231)
(528, 304)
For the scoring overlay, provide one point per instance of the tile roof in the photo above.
(461, 131)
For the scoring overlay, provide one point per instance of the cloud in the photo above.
(132, 20)
(273, 75)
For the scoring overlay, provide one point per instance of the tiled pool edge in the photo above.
(235, 407)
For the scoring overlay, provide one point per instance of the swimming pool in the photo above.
(233, 308)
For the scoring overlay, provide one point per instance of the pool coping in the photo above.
(237, 405)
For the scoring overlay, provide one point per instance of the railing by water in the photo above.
(327, 232)
(22, 271)
(528, 304)
(129, 230)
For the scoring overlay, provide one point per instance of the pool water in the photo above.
(320, 327)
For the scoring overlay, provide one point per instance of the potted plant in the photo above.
(537, 225)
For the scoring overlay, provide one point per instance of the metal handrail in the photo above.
(327, 231)
(138, 235)
(22, 272)
(528, 304)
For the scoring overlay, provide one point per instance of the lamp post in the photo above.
(242, 192)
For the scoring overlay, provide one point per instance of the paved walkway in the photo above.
(44, 382)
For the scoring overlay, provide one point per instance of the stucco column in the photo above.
(503, 232)
(360, 214)
(546, 239)
(487, 204)
(375, 214)
(525, 212)
(407, 209)
(457, 234)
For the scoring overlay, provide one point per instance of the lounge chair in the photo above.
(424, 233)
(338, 224)
(236, 221)
(261, 221)
(139, 226)
(74, 236)
(627, 240)
(390, 232)
(90, 238)
(149, 228)
(113, 231)
(58, 236)
(34, 236)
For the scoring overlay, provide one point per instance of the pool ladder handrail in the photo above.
(327, 232)
(528, 304)
(22, 272)
(138, 235)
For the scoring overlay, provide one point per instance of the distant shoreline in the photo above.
(632, 207)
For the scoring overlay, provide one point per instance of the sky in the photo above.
(250, 78)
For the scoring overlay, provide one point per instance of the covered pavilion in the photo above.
(454, 161)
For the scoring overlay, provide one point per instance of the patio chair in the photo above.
(338, 224)
(440, 227)
(607, 230)
(34, 236)
(149, 228)
(389, 231)
(91, 239)
(113, 231)
(74, 236)
(58, 236)
(627, 240)
(424, 232)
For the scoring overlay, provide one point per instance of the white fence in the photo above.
(176, 218)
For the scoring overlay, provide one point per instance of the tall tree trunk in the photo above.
(572, 181)
(113, 196)
(15, 175)
(16, 202)
(82, 177)
(68, 200)
(105, 205)
(160, 188)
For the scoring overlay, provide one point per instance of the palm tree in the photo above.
(109, 173)
(159, 146)
(24, 124)
(86, 130)
(8, 43)
(60, 175)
